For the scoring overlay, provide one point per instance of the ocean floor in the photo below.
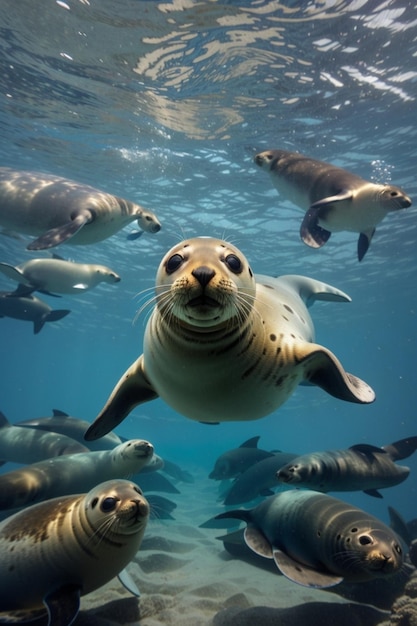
(187, 578)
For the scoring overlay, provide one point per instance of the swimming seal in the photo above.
(224, 345)
(29, 308)
(317, 540)
(58, 210)
(56, 551)
(333, 198)
(362, 467)
(56, 275)
(71, 473)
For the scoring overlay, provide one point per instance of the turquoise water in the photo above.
(166, 104)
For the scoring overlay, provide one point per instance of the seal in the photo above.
(224, 345)
(362, 467)
(71, 473)
(25, 445)
(317, 540)
(333, 198)
(59, 210)
(29, 309)
(56, 275)
(56, 551)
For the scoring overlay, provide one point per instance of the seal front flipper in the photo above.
(63, 605)
(311, 233)
(323, 369)
(58, 235)
(364, 242)
(132, 389)
(303, 575)
(257, 541)
(128, 583)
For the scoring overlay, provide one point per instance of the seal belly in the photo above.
(248, 380)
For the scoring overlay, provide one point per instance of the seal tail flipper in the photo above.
(55, 236)
(401, 449)
(311, 233)
(364, 242)
(14, 273)
(323, 369)
(132, 389)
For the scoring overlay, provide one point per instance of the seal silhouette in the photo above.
(58, 210)
(224, 345)
(333, 198)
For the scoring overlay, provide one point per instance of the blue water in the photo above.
(166, 104)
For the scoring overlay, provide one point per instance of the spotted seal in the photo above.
(55, 551)
(362, 467)
(56, 275)
(71, 473)
(317, 540)
(224, 345)
(333, 198)
(58, 210)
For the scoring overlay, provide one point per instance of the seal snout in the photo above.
(203, 274)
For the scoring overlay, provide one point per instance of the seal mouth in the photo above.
(284, 476)
(203, 301)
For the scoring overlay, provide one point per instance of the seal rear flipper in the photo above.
(310, 232)
(63, 605)
(59, 235)
(302, 574)
(401, 449)
(322, 368)
(132, 389)
(14, 273)
(363, 243)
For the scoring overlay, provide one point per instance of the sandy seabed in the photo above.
(187, 578)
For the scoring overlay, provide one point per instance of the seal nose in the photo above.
(203, 274)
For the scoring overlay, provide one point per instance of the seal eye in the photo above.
(108, 504)
(233, 263)
(174, 263)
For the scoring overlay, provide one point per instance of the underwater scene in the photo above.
(208, 301)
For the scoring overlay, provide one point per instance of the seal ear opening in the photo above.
(323, 369)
